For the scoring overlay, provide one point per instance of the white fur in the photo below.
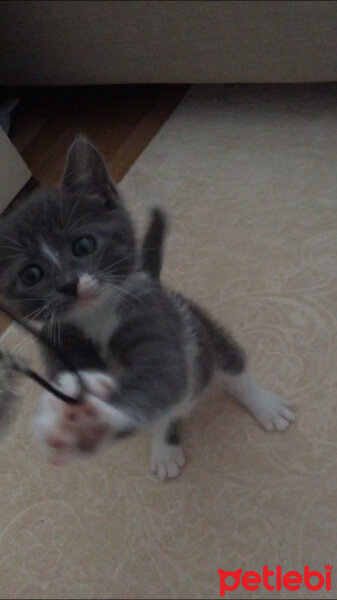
(65, 427)
(87, 284)
(167, 460)
(271, 411)
(98, 323)
(100, 319)
(50, 253)
(52, 424)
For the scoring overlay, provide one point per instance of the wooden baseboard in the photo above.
(30, 186)
(120, 120)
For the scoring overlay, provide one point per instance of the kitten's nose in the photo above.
(70, 288)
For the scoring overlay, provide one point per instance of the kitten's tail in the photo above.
(153, 244)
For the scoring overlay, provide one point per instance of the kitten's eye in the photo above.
(31, 275)
(84, 246)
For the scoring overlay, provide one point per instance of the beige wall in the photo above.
(143, 41)
(14, 172)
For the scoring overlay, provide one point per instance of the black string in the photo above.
(48, 386)
(10, 312)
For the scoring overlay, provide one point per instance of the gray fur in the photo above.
(163, 346)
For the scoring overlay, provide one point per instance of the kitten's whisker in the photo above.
(113, 264)
(99, 259)
(72, 213)
(113, 293)
(16, 248)
(11, 256)
(116, 278)
(126, 294)
(37, 312)
(36, 299)
(75, 223)
(12, 242)
(53, 329)
(117, 262)
(49, 326)
(58, 330)
(140, 300)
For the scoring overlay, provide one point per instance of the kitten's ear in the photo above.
(85, 171)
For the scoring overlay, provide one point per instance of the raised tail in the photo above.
(153, 244)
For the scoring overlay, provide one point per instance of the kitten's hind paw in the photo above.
(272, 412)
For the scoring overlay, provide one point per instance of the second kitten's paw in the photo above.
(272, 412)
(167, 461)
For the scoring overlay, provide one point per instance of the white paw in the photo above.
(71, 430)
(271, 411)
(167, 461)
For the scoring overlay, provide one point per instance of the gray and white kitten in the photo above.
(69, 259)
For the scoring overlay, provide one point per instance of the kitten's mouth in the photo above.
(85, 300)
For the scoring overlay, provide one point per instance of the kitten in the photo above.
(70, 260)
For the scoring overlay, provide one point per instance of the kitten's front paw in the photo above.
(272, 412)
(71, 430)
(167, 461)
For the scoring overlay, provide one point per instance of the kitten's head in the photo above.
(64, 249)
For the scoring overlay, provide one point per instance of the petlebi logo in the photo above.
(275, 580)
